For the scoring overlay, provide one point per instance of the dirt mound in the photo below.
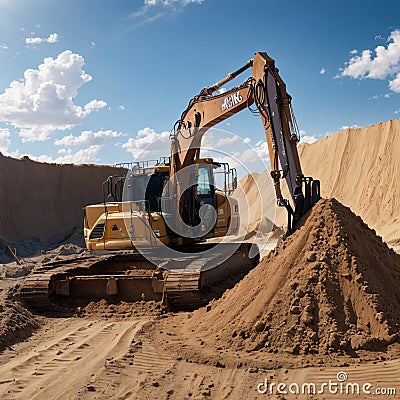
(121, 310)
(360, 167)
(256, 199)
(357, 166)
(41, 201)
(332, 286)
(16, 322)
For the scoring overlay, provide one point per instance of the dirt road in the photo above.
(74, 358)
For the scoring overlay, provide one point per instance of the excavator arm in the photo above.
(266, 89)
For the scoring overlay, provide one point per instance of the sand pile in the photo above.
(358, 166)
(43, 201)
(121, 310)
(361, 168)
(16, 322)
(332, 286)
(256, 199)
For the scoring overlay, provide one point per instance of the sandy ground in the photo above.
(70, 358)
(107, 352)
(77, 358)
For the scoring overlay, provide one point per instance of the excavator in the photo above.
(149, 239)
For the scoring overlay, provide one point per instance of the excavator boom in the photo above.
(266, 89)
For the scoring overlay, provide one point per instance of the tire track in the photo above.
(62, 366)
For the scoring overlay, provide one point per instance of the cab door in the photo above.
(206, 201)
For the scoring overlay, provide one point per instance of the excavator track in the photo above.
(35, 292)
(37, 289)
(182, 283)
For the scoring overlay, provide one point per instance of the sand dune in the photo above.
(43, 200)
(359, 167)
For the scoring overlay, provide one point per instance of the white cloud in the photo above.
(261, 149)
(53, 38)
(382, 95)
(218, 144)
(344, 127)
(354, 51)
(84, 156)
(394, 85)
(385, 63)
(212, 142)
(186, 2)
(168, 3)
(397, 112)
(221, 90)
(148, 143)
(250, 157)
(166, 6)
(121, 107)
(88, 138)
(94, 105)
(3, 46)
(226, 143)
(307, 138)
(42, 101)
(4, 139)
(322, 71)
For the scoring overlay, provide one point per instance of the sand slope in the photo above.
(361, 168)
(43, 200)
(256, 199)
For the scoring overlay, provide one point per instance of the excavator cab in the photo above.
(144, 192)
(146, 184)
(203, 195)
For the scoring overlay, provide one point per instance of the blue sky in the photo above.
(98, 80)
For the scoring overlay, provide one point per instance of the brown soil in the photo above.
(361, 167)
(103, 309)
(45, 200)
(329, 295)
(323, 292)
(332, 286)
(16, 322)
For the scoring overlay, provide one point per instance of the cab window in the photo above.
(204, 186)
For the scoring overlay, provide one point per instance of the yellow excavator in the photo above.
(155, 222)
